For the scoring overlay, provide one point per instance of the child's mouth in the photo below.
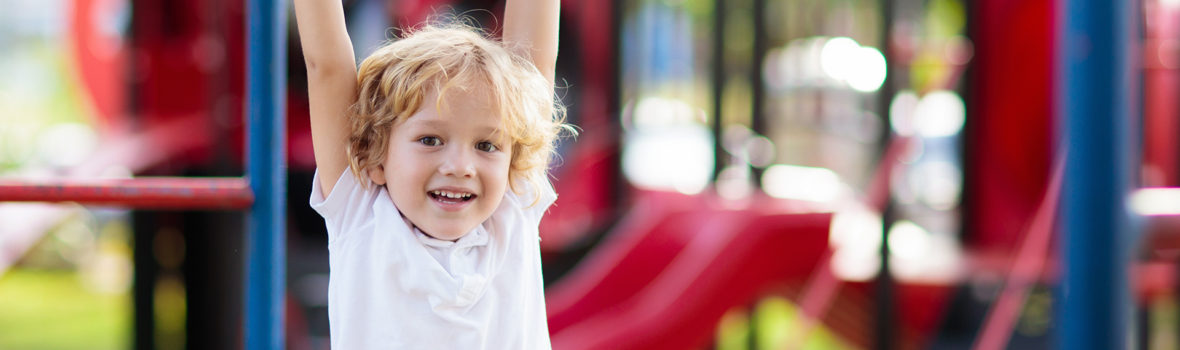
(448, 197)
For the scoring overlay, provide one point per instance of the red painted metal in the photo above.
(141, 193)
(1161, 83)
(722, 259)
(1010, 133)
(1025, 271)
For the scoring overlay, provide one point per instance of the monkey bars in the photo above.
(262, 190)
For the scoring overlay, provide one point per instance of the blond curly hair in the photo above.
(395, 79)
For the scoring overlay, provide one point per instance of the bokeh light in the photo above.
(939, 114)
(802, 183)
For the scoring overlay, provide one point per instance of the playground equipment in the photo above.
(676, 262)
(261, 191)
(633, 276)
(722, 259)
(159, 111)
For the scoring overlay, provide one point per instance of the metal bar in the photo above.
(761, 38)
(758, 115)
(142, 193)
(1097, 102)
(145, 274)
(717, 78)
(885, 289)
(618, 187)
(266, 171)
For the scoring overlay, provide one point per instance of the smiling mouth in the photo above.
(451, 197)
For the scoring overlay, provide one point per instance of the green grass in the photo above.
(52, 310)
(775, 322)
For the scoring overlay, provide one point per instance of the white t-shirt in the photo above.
(393, 287)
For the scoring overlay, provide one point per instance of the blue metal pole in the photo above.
(1098, 94)
(266, 170)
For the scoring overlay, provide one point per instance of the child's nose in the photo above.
(458, 163)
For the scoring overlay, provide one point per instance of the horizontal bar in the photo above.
(139, 193)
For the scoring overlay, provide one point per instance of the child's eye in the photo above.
(486, 147)
(430, 141)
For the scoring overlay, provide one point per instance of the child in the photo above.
(431, 177)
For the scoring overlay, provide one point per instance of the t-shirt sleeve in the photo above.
(343, 207)
(544, 199)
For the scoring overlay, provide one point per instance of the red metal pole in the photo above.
(141, 193)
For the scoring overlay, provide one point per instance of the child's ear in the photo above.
(377, 174)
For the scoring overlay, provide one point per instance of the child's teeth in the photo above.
(451, 194)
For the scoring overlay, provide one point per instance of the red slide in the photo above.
(677, 264)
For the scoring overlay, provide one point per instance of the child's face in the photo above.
(447, 170)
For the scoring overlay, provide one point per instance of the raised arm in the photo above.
(331, 83)
(532, 26)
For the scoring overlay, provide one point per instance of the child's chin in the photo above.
(448, 233)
